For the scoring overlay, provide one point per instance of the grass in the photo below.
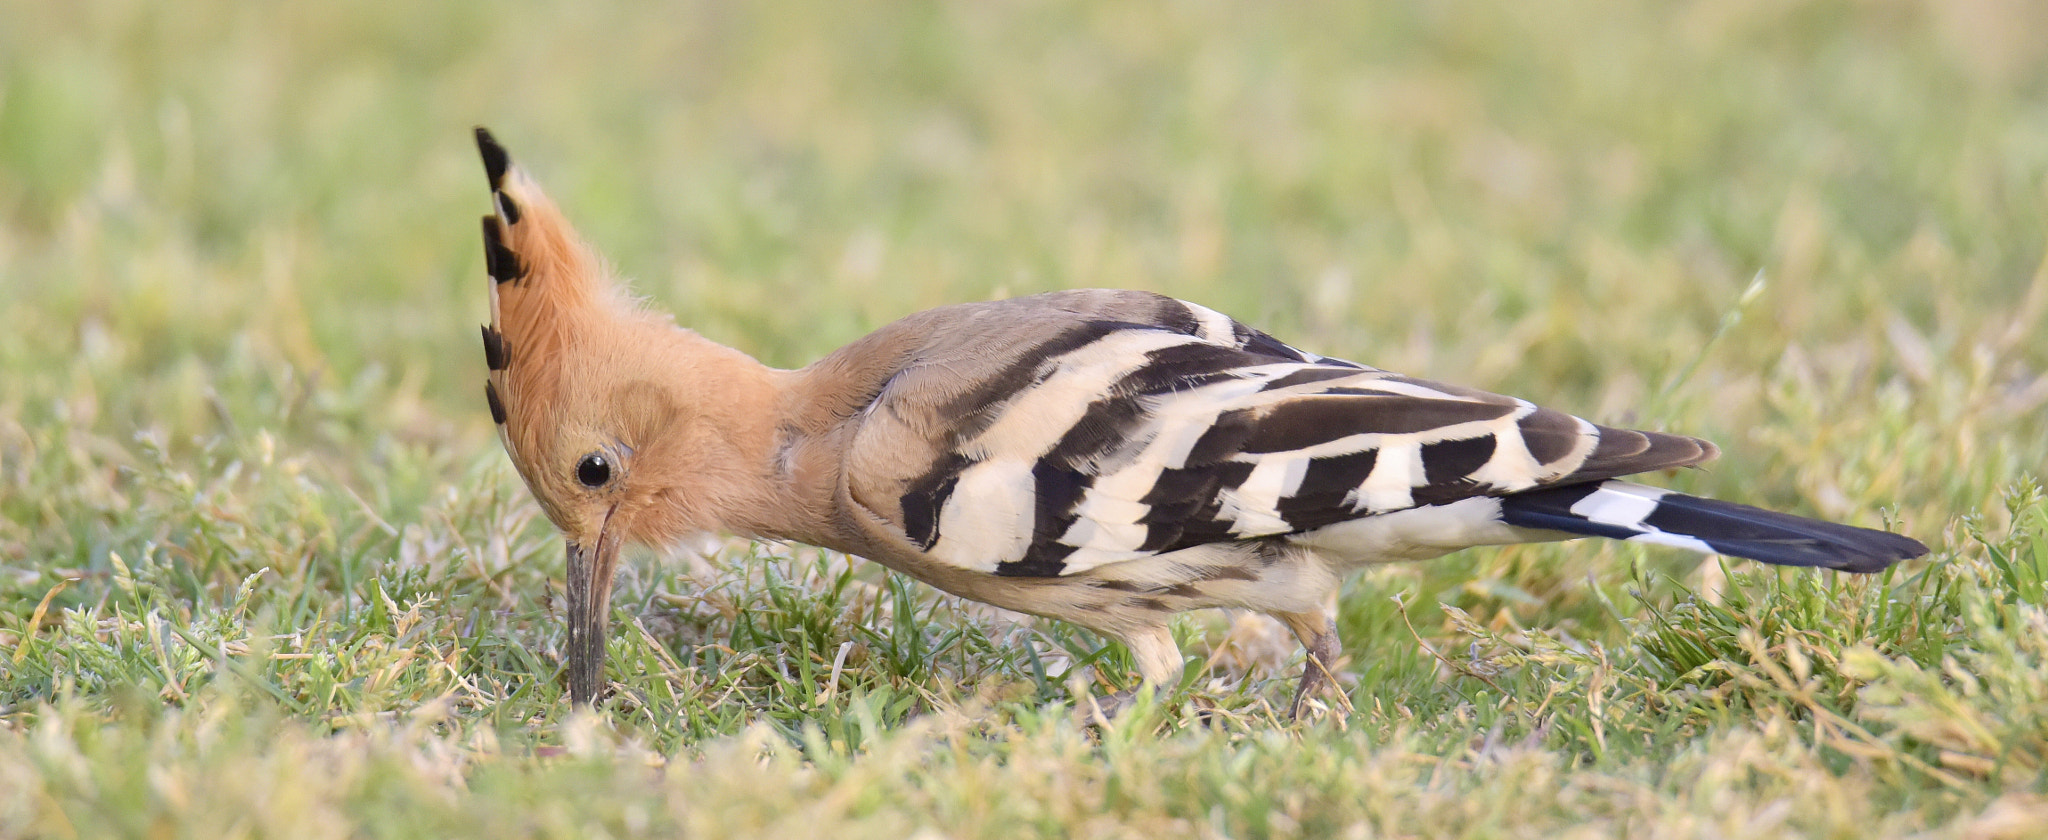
(264, 571)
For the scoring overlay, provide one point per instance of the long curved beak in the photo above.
(590, 598)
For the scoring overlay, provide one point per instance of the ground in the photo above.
(265, 571)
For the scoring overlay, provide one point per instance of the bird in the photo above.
(1103, 457)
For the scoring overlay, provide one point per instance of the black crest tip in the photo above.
(497, 406)
(499, 260)
(496, 161)
(494, 349)
(507, 208)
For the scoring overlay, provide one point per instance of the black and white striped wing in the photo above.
(1114, 441)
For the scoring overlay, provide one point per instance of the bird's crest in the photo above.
(550, 292)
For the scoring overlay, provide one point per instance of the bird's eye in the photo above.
(593, 470)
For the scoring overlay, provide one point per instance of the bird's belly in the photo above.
(1264, 575)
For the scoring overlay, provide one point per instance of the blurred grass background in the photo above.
(255, 526)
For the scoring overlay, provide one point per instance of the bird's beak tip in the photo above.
(589, 590)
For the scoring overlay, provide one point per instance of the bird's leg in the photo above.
(1318, 634)
(1159, 666)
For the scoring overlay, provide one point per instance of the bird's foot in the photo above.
(1092, 711)
(1320, 640)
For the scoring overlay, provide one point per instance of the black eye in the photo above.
(593, 470)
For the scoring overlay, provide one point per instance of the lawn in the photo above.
(265, 570)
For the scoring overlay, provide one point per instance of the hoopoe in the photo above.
(1109, 458)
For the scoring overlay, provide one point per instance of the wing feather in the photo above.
(1153, 427)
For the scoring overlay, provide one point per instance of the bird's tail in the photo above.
(1624, 511)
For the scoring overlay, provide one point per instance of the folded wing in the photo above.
(1112, 433)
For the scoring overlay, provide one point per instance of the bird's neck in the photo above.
(759, 445)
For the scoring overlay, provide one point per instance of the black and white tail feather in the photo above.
(1624, 511)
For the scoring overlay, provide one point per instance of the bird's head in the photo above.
(582, 387)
